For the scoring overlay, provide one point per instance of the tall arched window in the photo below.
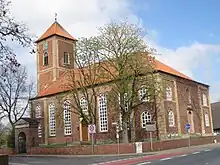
(38, 111)
(46, 60)
(67, 118)
(52, 120)
(206, 120)
(84, 105)
(171, 118)
(169, 94)
(146, 118)
(103, 113)
(204, 100)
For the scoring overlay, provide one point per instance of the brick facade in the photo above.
(185, 93)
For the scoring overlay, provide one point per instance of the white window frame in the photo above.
(38, 111)
(207, 123)
(68, 58)
(103, 113)
(39, 130)
(52, 120)
(145, 118)
(46, 55)
(142, 92)
(67, 118)
(120, 121)
(84, 105)
(171, 119)
(125, 101)
(204, 100)
(169, 93)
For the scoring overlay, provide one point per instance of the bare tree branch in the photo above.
(15, 91)
(11, 31)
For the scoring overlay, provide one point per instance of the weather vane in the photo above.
(56, 17)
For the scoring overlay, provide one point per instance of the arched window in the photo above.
(38, 111)
(146, 118)
(206, 120)
(52, 120)
(103, 113)
(169, 94)
(171, 118)
(67, 118)
(84, 105)
(125, 101)
(46, 62)
(204, 100)
(143, 94)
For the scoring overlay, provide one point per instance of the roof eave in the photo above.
(41, 39)
(185, 78)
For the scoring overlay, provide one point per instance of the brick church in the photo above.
(55, 55)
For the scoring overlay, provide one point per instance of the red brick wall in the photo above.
(7, 151)
(65, 47)
(124, 148)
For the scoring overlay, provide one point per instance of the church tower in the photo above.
(55, 54)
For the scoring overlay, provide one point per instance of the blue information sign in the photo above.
(187, 126)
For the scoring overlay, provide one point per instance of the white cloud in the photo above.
(81, 18)
(186, 58)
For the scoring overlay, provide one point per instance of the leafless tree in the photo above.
(11, 30)
(120, 56)
(15, 91)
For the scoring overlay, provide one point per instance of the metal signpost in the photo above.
(117, 136)
(151, 127)
(188, 130)
(92, 131)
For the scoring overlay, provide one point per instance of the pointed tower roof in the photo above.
(55, 29)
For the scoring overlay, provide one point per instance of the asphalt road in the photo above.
(203, 156)
(39, 160)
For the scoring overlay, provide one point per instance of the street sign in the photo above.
(187, 126)
(91, 129)
(151, 127)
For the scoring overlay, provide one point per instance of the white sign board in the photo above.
(150, 127)
(91, 129)
(138, 147)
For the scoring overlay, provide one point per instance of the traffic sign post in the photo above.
(92, 131)
(188, 130)
(151, 127)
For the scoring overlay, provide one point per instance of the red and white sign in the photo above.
(91, 129)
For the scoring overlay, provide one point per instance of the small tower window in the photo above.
(45, 58)
(66, 58)
(45, 46)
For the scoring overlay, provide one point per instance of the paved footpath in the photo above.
(183, 156)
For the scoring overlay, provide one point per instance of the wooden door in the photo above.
(84, 132)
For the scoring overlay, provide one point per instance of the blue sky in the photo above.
(180, 23)
(184, 32)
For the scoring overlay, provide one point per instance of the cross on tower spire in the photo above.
(55, 17)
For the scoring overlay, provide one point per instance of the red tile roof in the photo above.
(55, 29)
(59, 85)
